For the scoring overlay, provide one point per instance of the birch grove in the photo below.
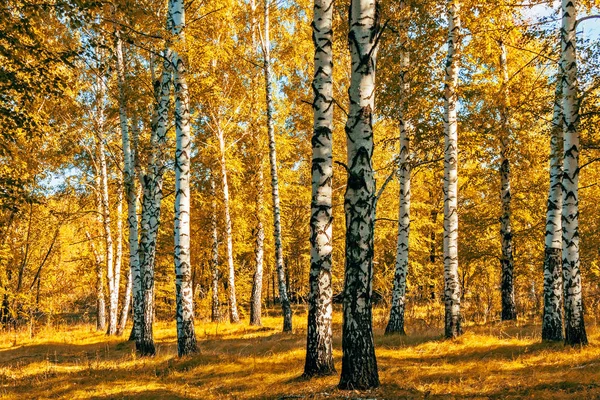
(383, 115)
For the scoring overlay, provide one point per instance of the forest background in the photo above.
(60, 113)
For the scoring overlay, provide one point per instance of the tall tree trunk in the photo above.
(259, 253)
(118, 260)
(100, 302)
(257, 281)
(233, 313)
(319, 341)
(509, 311)
(126, 304)
(552, 318)
(573, 299)
(215, 315)
(186, 336)
(129, 180)
(106, 222)
(283, 297)
(451, 281)
(151, 204)
(359, 365)
(396, 322)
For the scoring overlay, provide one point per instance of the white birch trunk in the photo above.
(233, 313)
(509, 311)
(396, 321)
(552, 317)
(283, 297)
(319, 343)
(256, 298)
(257, 281)
(215, 314)
(151, 203)
(359, 365)
(118, 261)
(186, 337)
(451, 282)
(106, 220)
(100, 302)
(573, 300)
(129, 180)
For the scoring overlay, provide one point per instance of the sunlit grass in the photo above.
(239, 361)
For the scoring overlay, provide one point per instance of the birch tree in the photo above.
(451, 282)
(359, 365)
(128, 178)
(573, 299)
(215, 315)
(233, 312)
(319, 346)
(283, 297)
(257, 279)
(113, 292)
(100, 300)
(552, 315)
(151, 203)
(186, 336)
(396, 321)
(259, 252)
(509, 311)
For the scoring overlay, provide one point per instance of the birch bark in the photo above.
(319, 342)
(573, 301)
(129, 180)
(509, 311)
(451, 282)
(151, 203)
(283, 297)
(396, 321)
(233, 313)
(552, 325)
(359, 365)
(186, 336)
(215, 315)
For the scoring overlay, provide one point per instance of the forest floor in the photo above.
(237, 361)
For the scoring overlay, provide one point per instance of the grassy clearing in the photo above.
(238, 361)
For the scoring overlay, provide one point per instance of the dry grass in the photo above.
(237, 361)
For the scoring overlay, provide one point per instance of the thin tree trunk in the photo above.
(118, 259)
(129, 180)
(552, 318)
(126, 304)
(574, 324)
(451, 281)
(509, 311)
(106, 222)
(257, 280)
(283, 297)
(186, 336)
(233, 313)
(215, 315)
(359, 365)
(100, 302)
(151, 204)
(396, 322)
(319, 340)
